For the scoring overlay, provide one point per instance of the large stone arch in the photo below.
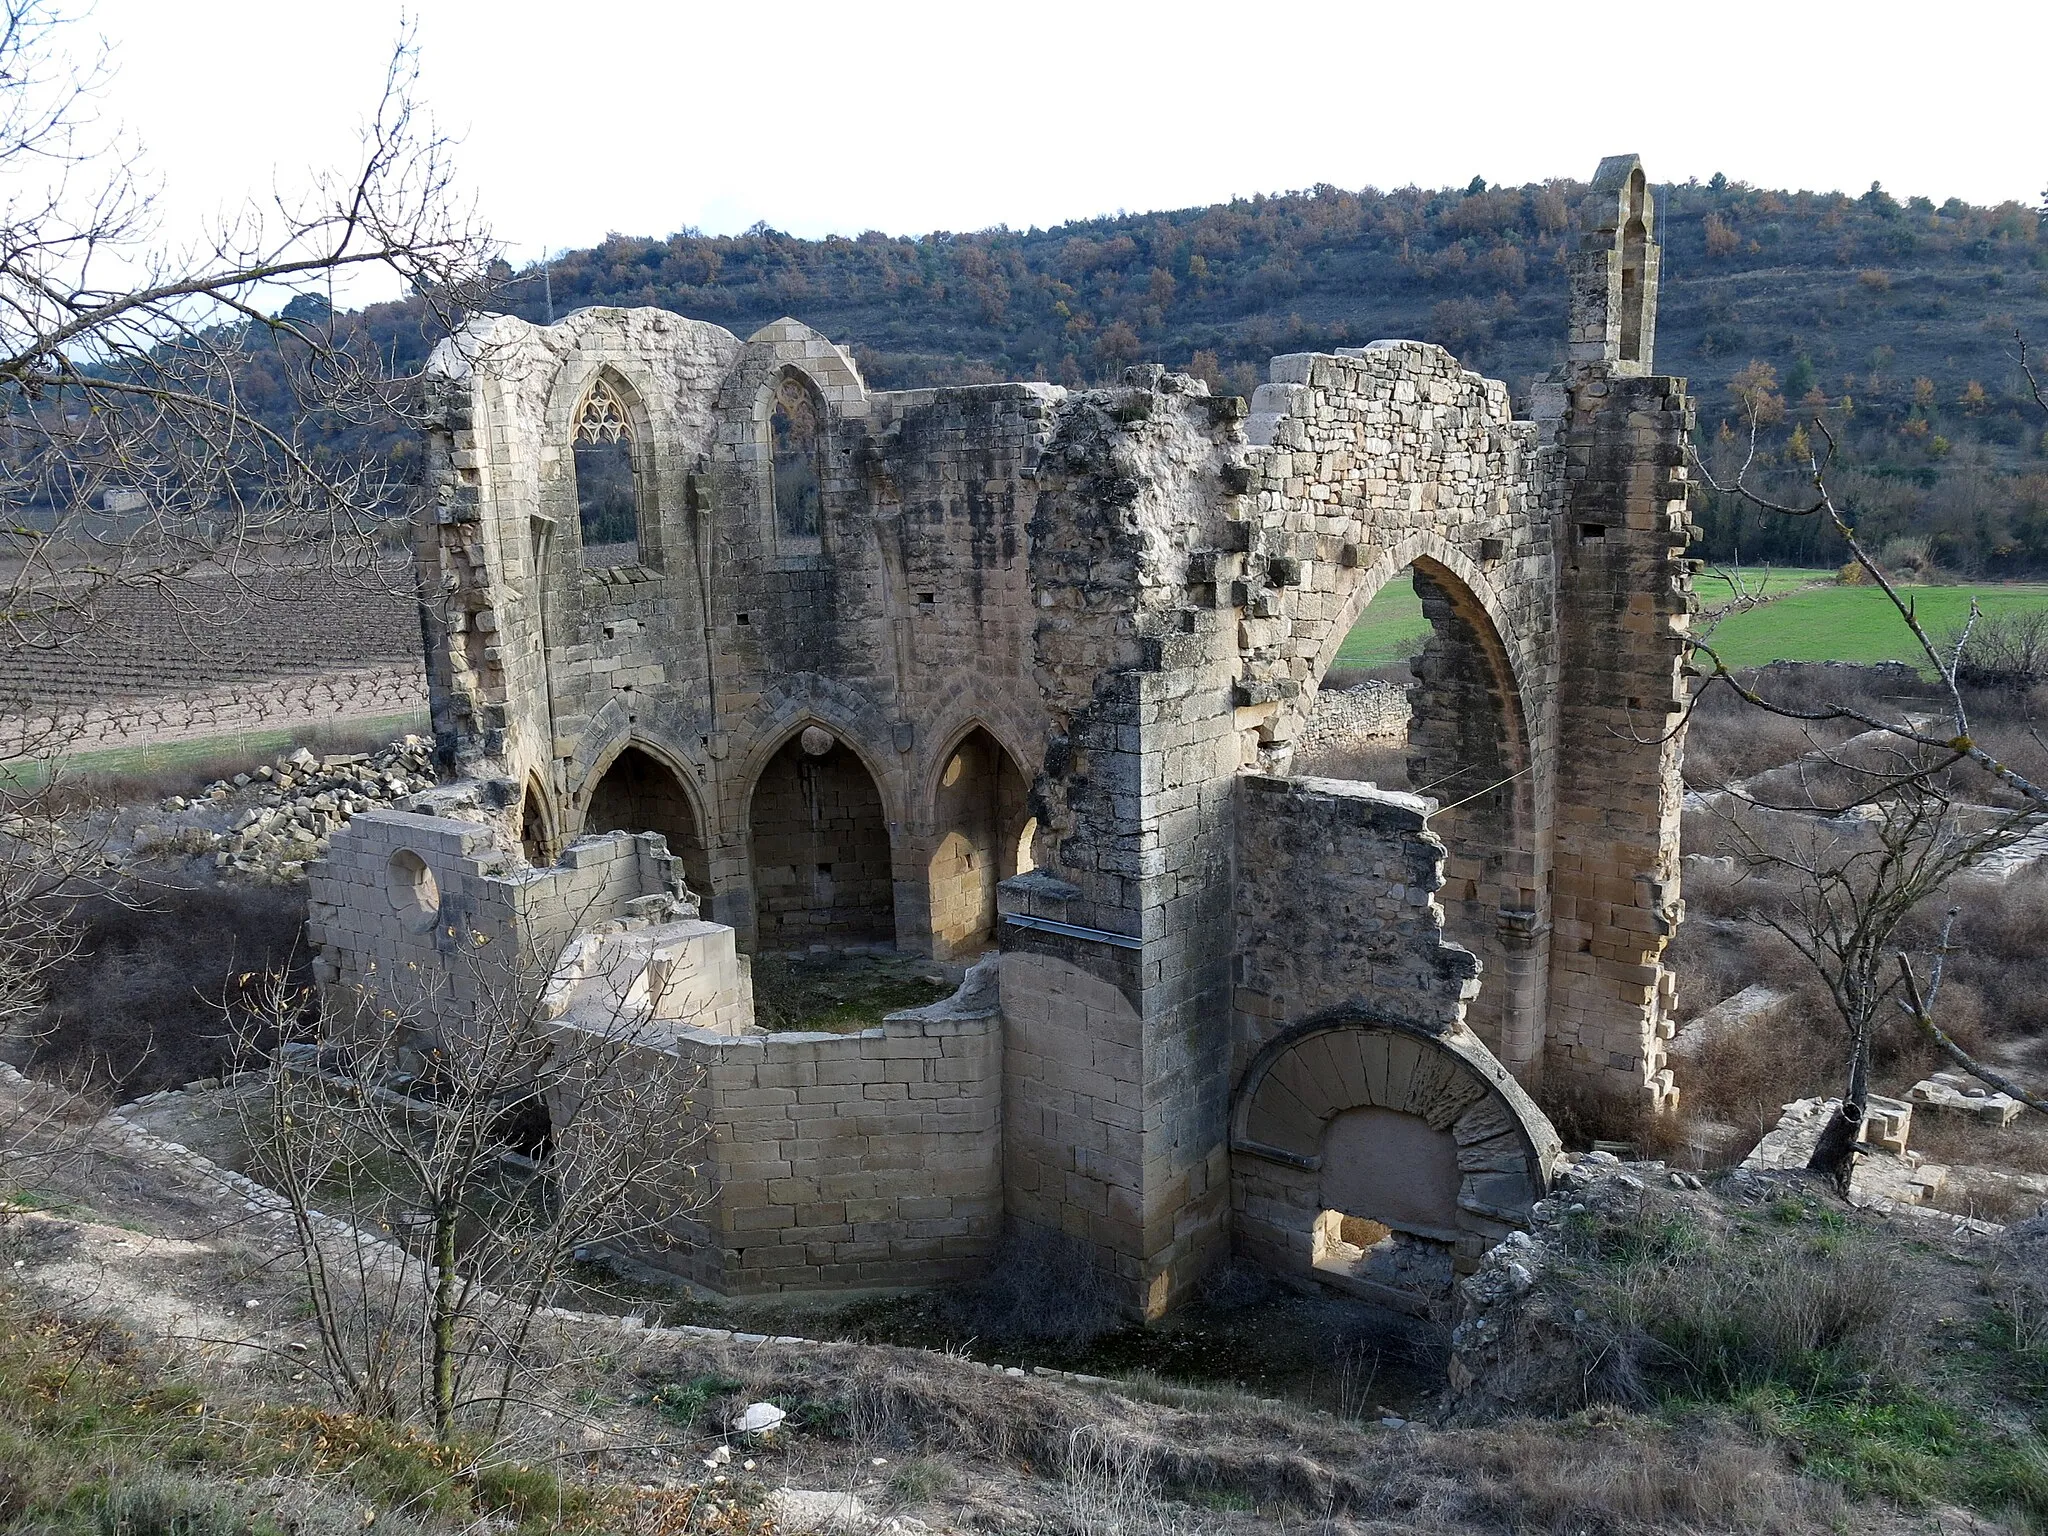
(1356, 595)
(1427, 1132)
(1474, 750)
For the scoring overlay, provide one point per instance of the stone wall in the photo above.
(1336, 907)
(398, 905)
(1361, 1094)
(1125, 599)
(902, 626)
(870, 1159)
(821, 851)
(1341, 718)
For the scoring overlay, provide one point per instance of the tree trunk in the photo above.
(444, 1325)
(1835, 1153)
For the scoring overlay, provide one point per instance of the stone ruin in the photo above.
(1015, 675)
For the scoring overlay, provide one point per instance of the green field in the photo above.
(1858, 623)
(1391, 629)
(1814, 621)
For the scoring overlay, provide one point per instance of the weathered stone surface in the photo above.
(1013, 666)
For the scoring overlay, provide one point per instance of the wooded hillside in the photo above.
(1894, 320)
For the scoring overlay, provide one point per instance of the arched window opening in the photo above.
(1634, 251)
(639, 793)
(607, 481)
(795, 440)
(822, 859)
(983, 830)
(1420, 699)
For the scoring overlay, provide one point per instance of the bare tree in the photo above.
(1840, 885)
(494, 1119)
(1870, 829)
(131, 449)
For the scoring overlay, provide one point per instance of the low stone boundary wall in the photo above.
(1376, 710)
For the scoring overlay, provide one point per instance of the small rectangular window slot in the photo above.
(610, 633)
(746, 618)
(824, 869)
(927, 599)
(1592, 533)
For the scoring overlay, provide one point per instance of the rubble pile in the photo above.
(269, 823)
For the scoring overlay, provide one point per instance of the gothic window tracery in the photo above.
(607, 483)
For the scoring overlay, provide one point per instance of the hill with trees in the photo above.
(1893, 321)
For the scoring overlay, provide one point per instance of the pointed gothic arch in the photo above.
(638, 792)
(820, 842)
(612, 473)
(979, 818)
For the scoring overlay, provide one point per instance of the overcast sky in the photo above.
(645, 117)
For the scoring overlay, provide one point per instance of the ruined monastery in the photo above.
(1013, 677)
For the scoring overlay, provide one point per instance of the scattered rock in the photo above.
(759, 1419)
(1952, 1093)
(283, 814)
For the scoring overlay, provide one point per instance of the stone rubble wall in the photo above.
(1375, 710)
(1367, 463)
(1336, 907)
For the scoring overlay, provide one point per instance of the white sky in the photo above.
(644, 117)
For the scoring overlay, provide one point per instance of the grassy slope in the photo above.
(1391, 629)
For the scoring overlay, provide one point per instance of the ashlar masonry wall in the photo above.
(836, 1161)
(902, 624)
(1133, 593)
(830, 1160)
(399, 904)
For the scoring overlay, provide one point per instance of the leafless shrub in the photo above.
(1613, 1478)
(491, 1134)
(1042, 1287)
(2007, 652)
(140, 1004)
(1109, 1488)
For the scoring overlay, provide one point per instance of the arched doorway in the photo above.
(639, 793)
(1422, 697)
(979, 819)
(822, 870)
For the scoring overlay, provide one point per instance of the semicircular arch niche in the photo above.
(1382, 1157)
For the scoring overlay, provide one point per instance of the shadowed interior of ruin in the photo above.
(639, 794)
(821, 849)
(979, 818)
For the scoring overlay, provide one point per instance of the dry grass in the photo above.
(1610, 1475)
